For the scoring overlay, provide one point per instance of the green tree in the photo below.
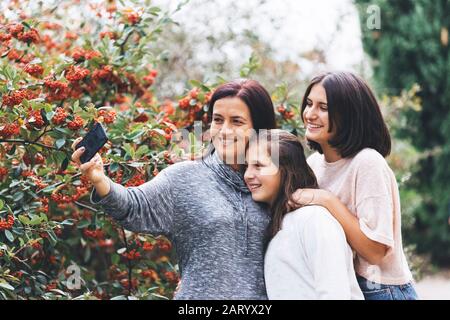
(411, 46)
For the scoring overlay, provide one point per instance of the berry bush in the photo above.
(56, 80)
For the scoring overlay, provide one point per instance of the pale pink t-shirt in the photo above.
(367, 186)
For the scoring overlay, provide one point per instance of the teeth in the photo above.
(314, 126)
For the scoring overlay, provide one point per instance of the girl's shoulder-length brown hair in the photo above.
(295, 173)
(354, 111)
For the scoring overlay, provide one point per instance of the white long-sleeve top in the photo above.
(309, 259)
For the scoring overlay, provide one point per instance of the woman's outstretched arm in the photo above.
(148, 208)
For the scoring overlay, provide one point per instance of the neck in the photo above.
(330, 154)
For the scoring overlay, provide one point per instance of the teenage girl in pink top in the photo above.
(345, 126)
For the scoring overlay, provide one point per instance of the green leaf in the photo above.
(48, 109)
(35, 219)
(48, 189)
(2, 203)
(115, 258)
(65, 164)
(135, 134)
(142, 150)
(9, 236)
(154, 10)
(60, 156)
(136, 164)
(195, 83)
(129, 149)
(18, 196)
(26, 24)
(60, 143)
(24, 219)
(76, 107)
(114, 167)
(87, 254)
(53, 238)
(6, 286)
(83, 224)
(43, 217)
(68, 222)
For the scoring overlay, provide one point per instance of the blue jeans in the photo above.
(377, 291)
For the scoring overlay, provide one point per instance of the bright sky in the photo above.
(293, 27)
(299, 25)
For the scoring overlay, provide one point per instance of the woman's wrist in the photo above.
(325, 198)
(102, 187)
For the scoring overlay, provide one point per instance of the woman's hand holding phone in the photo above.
(93, 169)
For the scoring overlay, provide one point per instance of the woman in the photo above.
(308, 256)
(203, 206)
(345, 126)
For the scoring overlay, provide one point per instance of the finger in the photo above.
(295, 203)
(88, 165)
(297, 193)
(77, 154)
(96, 158)
(74, 144)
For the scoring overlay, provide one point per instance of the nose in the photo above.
(249, 174)
(310, 113)
(226, 130)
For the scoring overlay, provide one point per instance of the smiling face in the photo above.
(315, 116)
(230, 130)
(263, 178)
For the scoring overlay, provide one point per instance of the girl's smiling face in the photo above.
(262, 176)
(315, 116)
(230, 129)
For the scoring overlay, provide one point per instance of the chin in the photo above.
(259, 198)
(312, 138)
(229, 154)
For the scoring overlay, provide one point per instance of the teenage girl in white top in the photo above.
(308, 256)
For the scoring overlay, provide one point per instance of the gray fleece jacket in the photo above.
(206, 210)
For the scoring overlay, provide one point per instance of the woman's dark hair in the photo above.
(295, 173)
(254, 95)
(354, 110)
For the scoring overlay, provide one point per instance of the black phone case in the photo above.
(93, 141)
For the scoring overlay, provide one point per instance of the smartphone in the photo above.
(93, 141)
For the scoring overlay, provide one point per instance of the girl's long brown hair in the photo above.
(294, 170)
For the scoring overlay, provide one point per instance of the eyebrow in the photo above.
(233, 117)
(320, 102)
(254, 162)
